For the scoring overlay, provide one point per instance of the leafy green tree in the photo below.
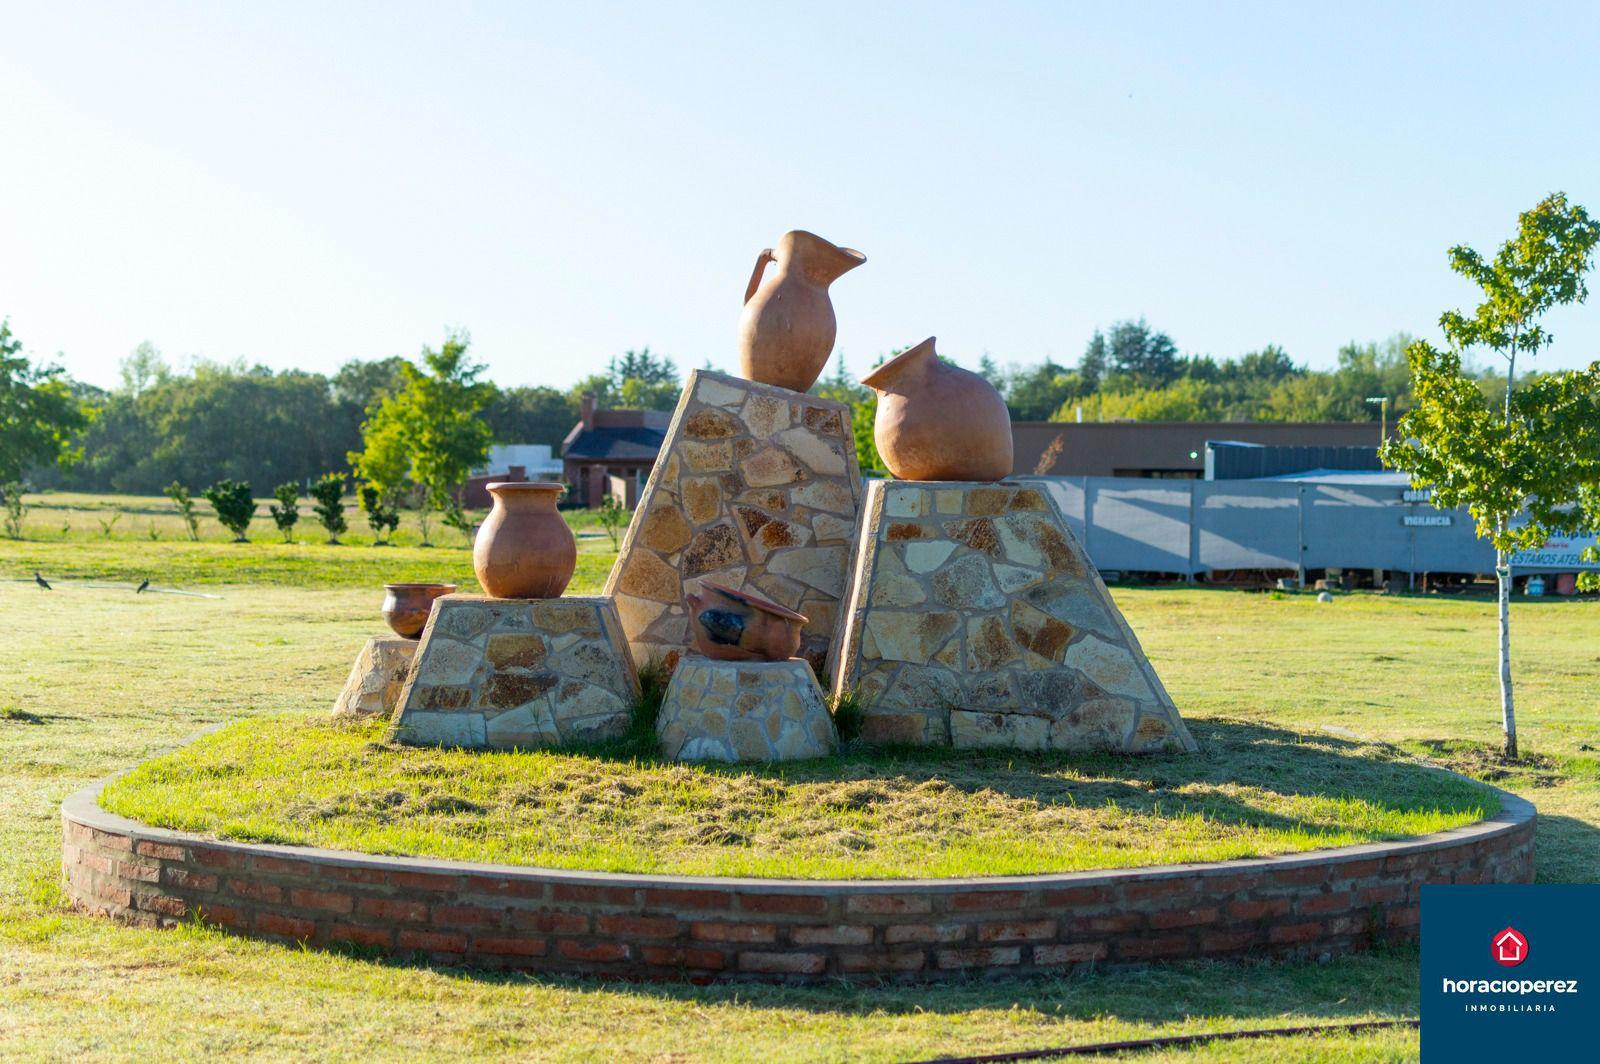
(234, 506)
(327, 495)
(286, 509)
(180, 498)
(360, 384)
(39, 416)
(1144, 355)
(1034, 394)
(1538, 455)
(432, 425)
(530, 415)
(143, 370)
(382, 518)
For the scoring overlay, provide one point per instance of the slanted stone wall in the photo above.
(756, 487)
(976, 619)
(501, 673)
(377, 678)
(744, 711)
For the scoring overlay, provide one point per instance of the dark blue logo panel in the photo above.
(1509, 972)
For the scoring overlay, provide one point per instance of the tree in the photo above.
(1092, 366)
(430, 428)
(382, 518)
(180, 498)
(143, 369)
(16, 510)
(612, 515)
(1147, 356)
(531, 415)
(234, 505)
(39, 416)
(1539, 453)
(286, 509)
(1034, 394)
(328, 496)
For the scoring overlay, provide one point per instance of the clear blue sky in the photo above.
(302, 184)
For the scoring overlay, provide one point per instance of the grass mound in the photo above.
(1253, 790)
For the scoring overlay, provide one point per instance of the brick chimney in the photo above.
(586, 410)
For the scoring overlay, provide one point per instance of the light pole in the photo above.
(1383, 416)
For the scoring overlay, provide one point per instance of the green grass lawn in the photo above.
(99, 680)
(1251, 791)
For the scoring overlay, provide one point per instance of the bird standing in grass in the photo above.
(141, 588)
(41, 581)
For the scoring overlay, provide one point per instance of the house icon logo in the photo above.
(1509, 948)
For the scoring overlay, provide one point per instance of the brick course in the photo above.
(667, 927)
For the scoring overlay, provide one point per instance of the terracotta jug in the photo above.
(787, 329)
(524, 549)
(406, 606)
(937, 421)
(734, 625)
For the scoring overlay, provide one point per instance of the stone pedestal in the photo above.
(377, 677)
(975, 619)
(756, 487)
(744, 711)
(501, 673)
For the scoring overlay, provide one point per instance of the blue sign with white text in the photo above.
(1510, 972)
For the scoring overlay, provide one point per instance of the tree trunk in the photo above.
(1508, 711)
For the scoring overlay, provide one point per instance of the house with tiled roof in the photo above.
(611, 452)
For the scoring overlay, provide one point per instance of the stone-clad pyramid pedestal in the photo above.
(377, 678)
(756, 487)
(501, 673)
(975, 619)
(744, 711)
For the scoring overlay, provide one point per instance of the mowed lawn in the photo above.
(95, 679)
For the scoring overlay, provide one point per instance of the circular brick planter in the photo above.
(674, 927)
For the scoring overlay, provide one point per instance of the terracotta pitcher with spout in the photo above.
(787, 329)
(937, 421)
(524, 548)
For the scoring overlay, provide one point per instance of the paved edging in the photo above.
(703, 927)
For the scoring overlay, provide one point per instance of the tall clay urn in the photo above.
(524, 548)
(937, 421)
(787, 329)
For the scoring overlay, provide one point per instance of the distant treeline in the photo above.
(242, 422)
(249, 423)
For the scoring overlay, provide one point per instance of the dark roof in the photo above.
(621, 444)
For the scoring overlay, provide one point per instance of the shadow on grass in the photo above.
(1232, 752)
(1382, 980)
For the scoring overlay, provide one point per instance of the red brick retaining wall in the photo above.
(670, 927)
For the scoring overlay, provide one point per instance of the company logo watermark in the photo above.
(1510, 947)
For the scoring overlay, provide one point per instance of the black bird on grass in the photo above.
(41, 581)
(141, 588)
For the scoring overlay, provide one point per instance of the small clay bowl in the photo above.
(731, 625)
(406, 606)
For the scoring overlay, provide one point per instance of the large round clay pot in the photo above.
(524, 548)
(937, 421)
(734, 625)
(787, 328)
(406, 606)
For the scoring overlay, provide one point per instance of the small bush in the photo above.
(847, 716)
(14, 509)
(613, 515)
(328, 494)
(235, 506)
(382, 517)
(286, 511)
(180, 498)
